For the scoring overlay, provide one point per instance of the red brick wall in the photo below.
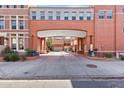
(36, 26)
(104, 30)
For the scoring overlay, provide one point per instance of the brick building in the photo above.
(78, 29)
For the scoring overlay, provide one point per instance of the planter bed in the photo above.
(32, 58)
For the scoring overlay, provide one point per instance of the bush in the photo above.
(6, 57)
(121, 57)
(29, 52)
(108, 55)
(11, 57)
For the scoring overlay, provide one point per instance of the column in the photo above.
(91, 42)
(10, 41)
(17, 44)
(40, 45)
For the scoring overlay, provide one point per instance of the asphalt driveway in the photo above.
(61, 65)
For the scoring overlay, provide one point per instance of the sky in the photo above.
(61, 2)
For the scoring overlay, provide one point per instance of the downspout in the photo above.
(115, 32)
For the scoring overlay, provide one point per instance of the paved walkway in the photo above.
(65, 66)
(35, 84)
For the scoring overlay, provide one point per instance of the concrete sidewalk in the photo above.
(65, 66)
(35, 84)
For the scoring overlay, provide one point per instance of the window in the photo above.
(109, 14)
(81, 16)
(14, 43)
(66, 14)
(42, 14)
(21, 24)
(0, 6)
(123, 8)
(101, 14)
(1, 40)
(33, 15)
(13, 24)
(1, 24)
(73, 15)
(88, 15)
(7, 6)
(58, 17)
(123, 27)
(14, 6)
(66, 18)
(58, 14)
(22, 6)
(50, 15)
(21, 43)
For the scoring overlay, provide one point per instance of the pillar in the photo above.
(91, 42)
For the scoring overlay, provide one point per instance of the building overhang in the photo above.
(65, 33)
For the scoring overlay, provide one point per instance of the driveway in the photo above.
(61, 65)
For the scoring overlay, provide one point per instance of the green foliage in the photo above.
(30, 52)
(108, 55)
(49, 45)
(11, 57)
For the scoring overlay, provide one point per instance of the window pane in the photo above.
(14, 43)
(57, 17)
(50, 15)
(109, 14)
(101, 14)
(81, 16)
(65, 18)
(73, 17)
(1, 40)
(21, 24)
(21, 43)
(13, 23)
(34, 15)
(1, 24)
(22, 6)
(42, 14)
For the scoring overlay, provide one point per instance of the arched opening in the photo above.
(62, 40)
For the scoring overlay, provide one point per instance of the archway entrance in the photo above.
(63, 44)
(62, 40)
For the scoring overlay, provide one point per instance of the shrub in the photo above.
(22, 57)
(108, 55)
(49, 45)
(29, 52)
(11, 57)
(6, 57)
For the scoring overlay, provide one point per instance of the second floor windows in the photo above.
(73, 15)
(33, 15)
(13, 24)
(105, 14)
(81, 16)
(66, 15)
(109, 14)
(88, 15)
(1, 24)
(61, 15)
(58, 14)
(21, 24)
(50, 15)
(101, 14)
(42, 15)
